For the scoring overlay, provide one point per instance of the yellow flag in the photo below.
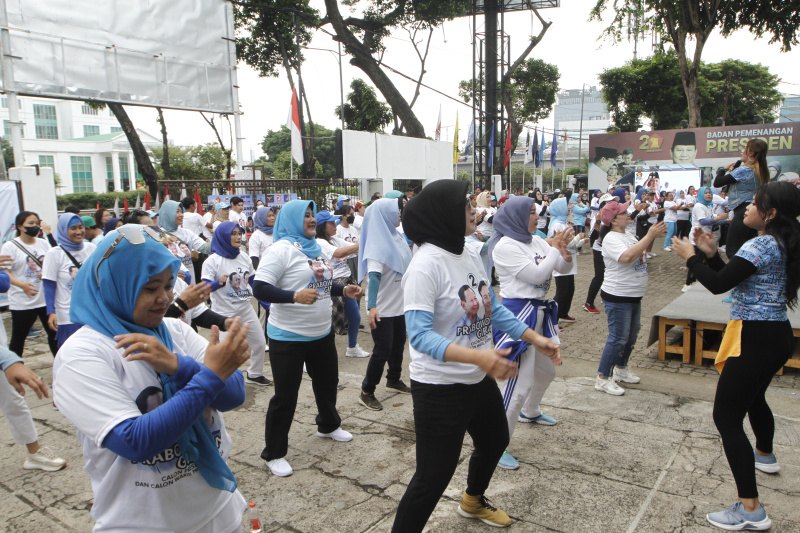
(455, 143)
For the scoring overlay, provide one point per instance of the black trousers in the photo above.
(684, 227)
(443, 414)
(599, 276)
(766, 346)
(286, 359)
(390, 341)
(21, 324)
(738, 233)
(565, 290)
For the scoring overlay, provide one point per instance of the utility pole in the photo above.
(580, 135)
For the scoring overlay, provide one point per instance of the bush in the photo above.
(90, 200)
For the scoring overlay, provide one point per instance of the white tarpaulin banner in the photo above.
(395, 157)
(9, 209)
(168, 53)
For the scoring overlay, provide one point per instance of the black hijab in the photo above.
(436, 215)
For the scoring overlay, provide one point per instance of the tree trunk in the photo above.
(308, 155)
(362, 58)
(145, 166)
(164, 146)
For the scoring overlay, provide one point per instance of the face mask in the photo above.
(32, 231)
(351, 219)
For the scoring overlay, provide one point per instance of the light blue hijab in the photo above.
(379, 239)
(108, 309)
(166, 215)
(558, 210)
(66, 221)
(289, 227)
(701, 193)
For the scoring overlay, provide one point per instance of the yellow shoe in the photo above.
(480, 508)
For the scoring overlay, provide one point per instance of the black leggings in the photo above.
(599, 276)
(21, 324)
(738, 233)
(443, 414)
(684, 227)
(565, 289)
(766, 346)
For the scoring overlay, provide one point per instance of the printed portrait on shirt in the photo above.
(32, 270)
(321, 275)
(239, 285)
(476, 302)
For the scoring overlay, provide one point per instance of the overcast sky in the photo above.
(571, 44)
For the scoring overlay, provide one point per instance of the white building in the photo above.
(85, 147)
(567, 114)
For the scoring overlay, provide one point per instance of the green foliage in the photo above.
(363, 111)
(89, 200)
(8, 152)
(204, 162)
(281, 167)
(652, 88)
(279, 141)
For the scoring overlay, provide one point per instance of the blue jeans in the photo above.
(624, 322)
(353, 320)
(672, 228)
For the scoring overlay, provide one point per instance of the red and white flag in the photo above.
(438, 134)
(293, 123)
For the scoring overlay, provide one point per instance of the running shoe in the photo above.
(543, 419)
(370, 402)
(567, 319)
(766, 463)
(625, 375)
(590, 309)
(399, 386)
(507, 461)
(735, 518)
(609, 386)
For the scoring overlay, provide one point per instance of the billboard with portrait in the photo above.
(705, 148)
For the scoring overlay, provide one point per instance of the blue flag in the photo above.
(542, 148)
(491, 148)
(553, 150)
(470, 138)
(535, 147)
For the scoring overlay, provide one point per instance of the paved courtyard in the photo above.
(649, 461)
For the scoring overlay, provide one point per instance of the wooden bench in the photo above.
(684, 348)
(700, 353)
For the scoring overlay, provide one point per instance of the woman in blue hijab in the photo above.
(60, 267)
(111, 225)
(145, 394)
(702, 217)
(297, 280)
(383, 255)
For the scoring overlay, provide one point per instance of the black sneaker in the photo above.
(370, 402)
(260, 380)
(399, 386)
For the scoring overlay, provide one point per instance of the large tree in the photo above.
(363, 111)
(279, 141)
(651, 88)
(189, 163)
(681, 21)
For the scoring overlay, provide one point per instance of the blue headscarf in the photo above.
(701, 193)
(379, 239)
(108, 309)
(558, 211)
(289, 227)
(166, 215)
(111, 225)
(511, 220)
(221, 241)
(393, 194)
(260, 220)
(340, 201)
(66, 221)
(620, 194)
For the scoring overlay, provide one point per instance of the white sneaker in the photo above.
(609, 386)
(668, 249)
(44, 460)
(686, 288)
(338, 434)
(356, 351)
(651, 254)
(625, 375)
(280, 467)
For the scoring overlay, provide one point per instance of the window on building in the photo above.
(89, 130)
(47, 161)
(124, 172)
(81, 173)
(44, 118)
(115, 129)
(7, 130)
(88, 110)
(109, 175)
(4, 102)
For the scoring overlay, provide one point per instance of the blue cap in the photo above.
(326, 216)
(151, 214)
(223, 205)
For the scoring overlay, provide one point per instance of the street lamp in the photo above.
(341, 79)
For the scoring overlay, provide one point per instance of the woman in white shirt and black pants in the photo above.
(453, 364)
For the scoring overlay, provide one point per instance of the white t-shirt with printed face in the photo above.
(178, 287)
(623, 279)
(258, 244)
(510, 256)
(98, 389)
(26, 270)
(239, 218)
(59, 267)
(485, 227)
(340, 267)
(350, 235)
(183, 248)
(288, 268)
(234, 297)
(195, 223)
(669, 214)
(446, 285)
(390, 293)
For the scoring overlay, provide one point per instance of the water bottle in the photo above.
(252, 516)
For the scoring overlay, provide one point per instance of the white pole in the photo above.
(9, 85)
(237, 123)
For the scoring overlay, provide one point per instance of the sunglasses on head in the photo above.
(134, 234)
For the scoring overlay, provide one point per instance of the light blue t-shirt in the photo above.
(762, 296)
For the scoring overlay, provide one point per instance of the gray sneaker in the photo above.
(399, 386)
(370, 402)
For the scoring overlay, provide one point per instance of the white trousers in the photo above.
(17, 413)
(523, 392)
(255, 339)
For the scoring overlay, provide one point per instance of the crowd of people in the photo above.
(147, 393)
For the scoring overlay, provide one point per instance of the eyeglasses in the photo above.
(134, 234)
